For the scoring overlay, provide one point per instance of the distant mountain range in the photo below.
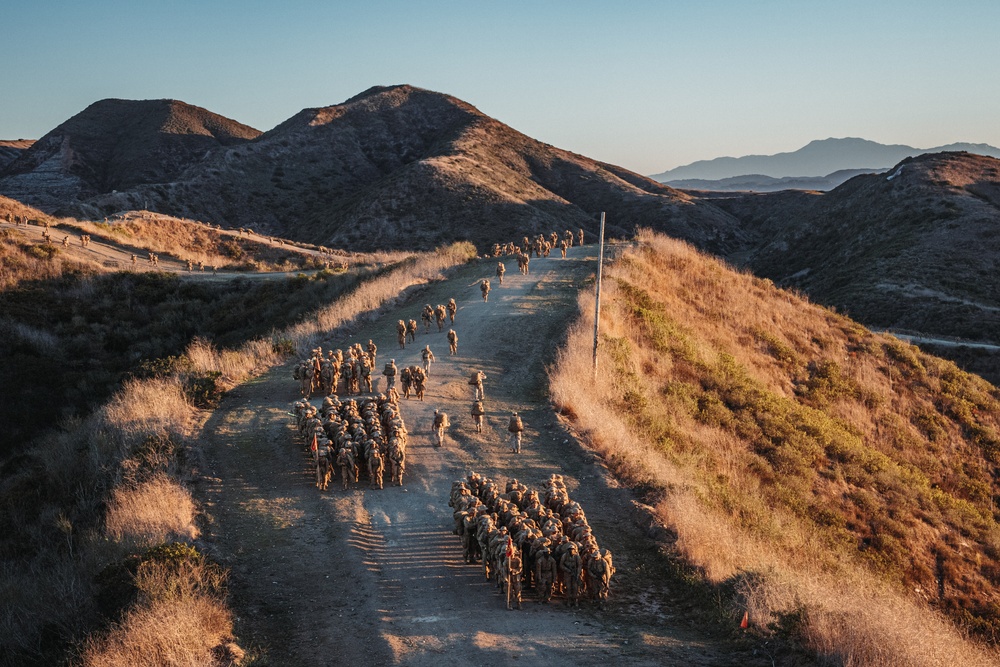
(393, 167)
(819, 158)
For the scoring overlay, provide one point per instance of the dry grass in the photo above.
(150, 513)
(791, 450)
(86, 498)
(186, 631)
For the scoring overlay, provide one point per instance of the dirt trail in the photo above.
(119, 257)
(377, 577)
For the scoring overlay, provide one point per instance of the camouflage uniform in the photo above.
(501, 269)
(440, 424)
(477, 415)
(452, 309)
(390, 375)
(428, 358)
(545, 574)
(452, 342)
(484, 287)
(515, 426)
(411, 330)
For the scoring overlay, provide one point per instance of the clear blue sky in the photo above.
(647, 85)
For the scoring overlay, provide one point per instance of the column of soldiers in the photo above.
(540, 246)
(338, 374)
(442, 313)
(353, 438)
(525, 541)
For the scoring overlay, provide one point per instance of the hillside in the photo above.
(912, 249)
(114, 145)
(761, 183)
(11, 150)
(403, 168)
(822, 471)
(814, 159)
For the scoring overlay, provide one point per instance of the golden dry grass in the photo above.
(792, 454)
(150, 513)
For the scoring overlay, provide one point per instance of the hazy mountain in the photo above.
(117, 144)
(761, 183)
(915, 248)
(815, 159)
(401, 167)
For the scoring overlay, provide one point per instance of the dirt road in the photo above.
(376, 577)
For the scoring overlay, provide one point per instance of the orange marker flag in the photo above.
(745, 623)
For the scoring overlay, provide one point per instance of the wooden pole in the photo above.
(597, 300)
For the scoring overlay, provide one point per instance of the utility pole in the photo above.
(597, 300)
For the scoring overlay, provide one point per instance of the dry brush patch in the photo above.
(789, 443)
(87, 498)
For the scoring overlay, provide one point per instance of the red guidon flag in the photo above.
(315, 445)
(745, 623)
(510, 547)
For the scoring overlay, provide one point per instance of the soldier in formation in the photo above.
(525, 541)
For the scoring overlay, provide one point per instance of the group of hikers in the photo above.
(524, 541)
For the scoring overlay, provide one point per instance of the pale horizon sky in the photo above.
(647, 85)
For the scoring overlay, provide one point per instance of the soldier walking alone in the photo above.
(484, 287)
(515, 427)
(477, 415)
(428, 358)
(452, 342)
(440, 424)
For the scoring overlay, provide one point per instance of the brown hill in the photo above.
(915, 248)
(399, 167)
(114, 145)
(10, 150)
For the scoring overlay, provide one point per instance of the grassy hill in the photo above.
(786, 443)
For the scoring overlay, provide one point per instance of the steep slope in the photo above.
(814, 159)
(11, 150)
(116, 144)
(402, 167)
(825, 471)
(915, 248)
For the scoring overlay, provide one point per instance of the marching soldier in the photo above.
(579, 237)
(501, 269)
(411, 330)
(545, 574)
(452, 342)
(440, 314)
(372, 351)
(440, 424)
(401, 334)
(427, 316)
(476, 381)
(428, 358)
(484, 287)
(452, 308)
(477, 415)
(515, 427)
(390, 375)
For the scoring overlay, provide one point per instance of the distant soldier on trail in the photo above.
(428, 358)
(452, 308)
(440, 424)
(390, 375)
(562, 248)
(406, 378)
(419, 381)
(484, 287)
(411, 330)
(372, 351)
(515, 426)
(440, 314)
(476, 382)
(427, 316)
(568, 235)
(579, 237)
(452, 342)
(501, 269)
(401, 334)
(477, 415)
